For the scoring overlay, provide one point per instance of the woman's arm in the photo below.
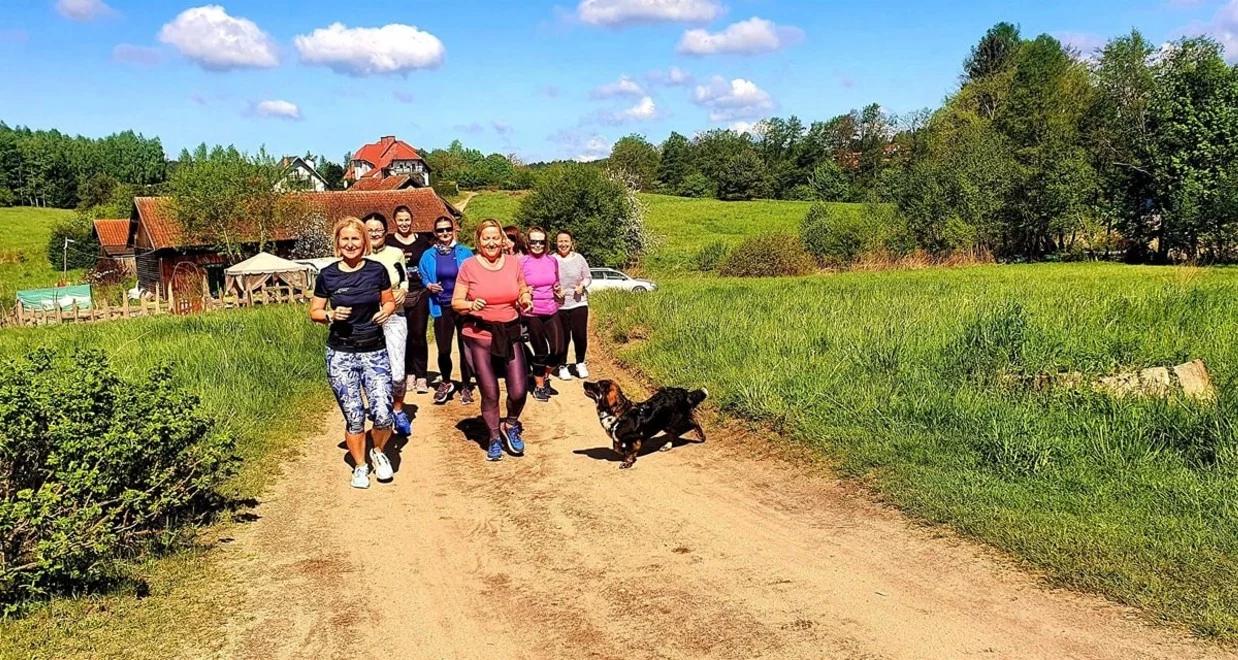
(318, 310)
(388, 307)
(586, 278)
(524, 300)
(460, 302)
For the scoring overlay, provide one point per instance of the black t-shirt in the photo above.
(361, 290)
(422, 241)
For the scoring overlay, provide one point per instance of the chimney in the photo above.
(386, 139)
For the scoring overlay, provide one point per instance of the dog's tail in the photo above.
(695, 397)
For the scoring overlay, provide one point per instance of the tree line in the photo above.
(1041, 152)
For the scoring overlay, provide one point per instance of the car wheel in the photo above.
(639, 289)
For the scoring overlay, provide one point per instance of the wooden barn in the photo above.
(162, 252)
(116, 241)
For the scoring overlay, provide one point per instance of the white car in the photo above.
(609, 278)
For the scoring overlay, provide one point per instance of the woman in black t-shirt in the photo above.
(417, 302)
(359, 293)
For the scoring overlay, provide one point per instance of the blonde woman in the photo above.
(361, 301)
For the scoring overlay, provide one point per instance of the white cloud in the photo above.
(744, 126)
(644, 110)
(278, 109)
(84, 10)
(139, 55)
(218, 42)
(594, 149)
(625, 86)
(729, 101)
(750, 37)
(672, 77)
(393, 48)
(627, 12)
(580, 146)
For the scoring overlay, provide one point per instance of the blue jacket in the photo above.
(427, 266)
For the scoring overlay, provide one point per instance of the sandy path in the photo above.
(703, 551)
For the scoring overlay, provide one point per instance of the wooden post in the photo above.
(124, 305)
(21, 314)
(59, 313)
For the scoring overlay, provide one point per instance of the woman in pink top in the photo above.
(541, 273)
(491, 292)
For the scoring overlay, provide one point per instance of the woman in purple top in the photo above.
(541, 273)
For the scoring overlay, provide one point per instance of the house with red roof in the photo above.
(116, 241)
(384, 159)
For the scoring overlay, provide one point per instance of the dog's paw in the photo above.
(626, 464)
(666, 447)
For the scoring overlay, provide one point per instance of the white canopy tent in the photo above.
(265, 269)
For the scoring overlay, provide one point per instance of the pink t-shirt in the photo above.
(499, 288)
(542, 274)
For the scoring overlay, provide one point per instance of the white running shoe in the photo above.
(361, 476)
(564, 374)
(582, 370)
(382, 466)
(422, 386)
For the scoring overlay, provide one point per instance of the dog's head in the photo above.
(608, 396)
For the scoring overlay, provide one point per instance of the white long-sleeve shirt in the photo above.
(573, 270)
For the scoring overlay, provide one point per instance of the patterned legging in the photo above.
(350, 374)
(517, 375)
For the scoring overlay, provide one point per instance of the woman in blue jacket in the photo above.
(438, 268)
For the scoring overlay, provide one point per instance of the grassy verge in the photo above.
(23, 251)
(895, 376)
(260, 373)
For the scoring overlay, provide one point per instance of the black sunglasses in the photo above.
(444, 230)
(532, 242)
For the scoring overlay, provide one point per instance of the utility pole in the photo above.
(64, 273)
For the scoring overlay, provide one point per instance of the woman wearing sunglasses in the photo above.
(541, 273)
(439, 267)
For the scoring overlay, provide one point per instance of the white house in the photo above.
(300, 174)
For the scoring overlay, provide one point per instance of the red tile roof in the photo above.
(394, 182)
(380, 154)
(113, 235)
(157, 226)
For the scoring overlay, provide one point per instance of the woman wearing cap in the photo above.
(541, 273)
(439, 267)
(416, 303)
(491, 293)
(359, 292)
(395, 330)
(574, 282)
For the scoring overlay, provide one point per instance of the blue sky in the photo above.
(540, 79)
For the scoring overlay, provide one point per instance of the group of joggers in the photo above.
(511, 310)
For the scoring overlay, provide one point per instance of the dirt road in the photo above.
(720, 550)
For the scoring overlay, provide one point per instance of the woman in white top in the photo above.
(395, 330)
(574, 280)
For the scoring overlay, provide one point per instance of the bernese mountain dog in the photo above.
(630, 425)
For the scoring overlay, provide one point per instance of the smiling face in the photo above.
(537, 243)
(377, 233)
(351, 243)
(563, 243)
(490, 242)
(404, 222)
(445, 231)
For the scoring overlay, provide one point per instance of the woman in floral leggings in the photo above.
(361, 301)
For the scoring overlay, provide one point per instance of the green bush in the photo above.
(839, 235)
(600, 211)
(711, 256)
(767, 255)
(83, 252)
(7, 198)
(94, 469)
(696, 185)
(446, 188)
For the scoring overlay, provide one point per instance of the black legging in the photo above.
(546, 338)
(445, 326)
(517, 374)
(417, 351)
(575, 324)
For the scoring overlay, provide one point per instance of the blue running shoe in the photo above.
(496, 450)
(515, 442)
(403, 425)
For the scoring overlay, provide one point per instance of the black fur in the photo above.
(670, 411)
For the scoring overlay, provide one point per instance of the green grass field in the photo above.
(23, 251)
(897, 377)
(680, 226)
(260, 373)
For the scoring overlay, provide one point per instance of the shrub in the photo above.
(767, 255)
(603, 214)
(82, 252)
(840, 235)
(94, 469)
(446, 188)
(696, 185)
(711, 256)
(7, 198)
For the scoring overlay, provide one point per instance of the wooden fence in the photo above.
(154, 307)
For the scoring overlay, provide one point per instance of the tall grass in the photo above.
(258, 372)
(896, 376)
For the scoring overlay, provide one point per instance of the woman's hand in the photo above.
(477, 305)
(580, 290)
(526, 303)
(382, 315)
(340, 313)
(434, 287)
(398, 295)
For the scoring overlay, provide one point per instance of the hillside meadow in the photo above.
(23, 251)
(910, 382)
